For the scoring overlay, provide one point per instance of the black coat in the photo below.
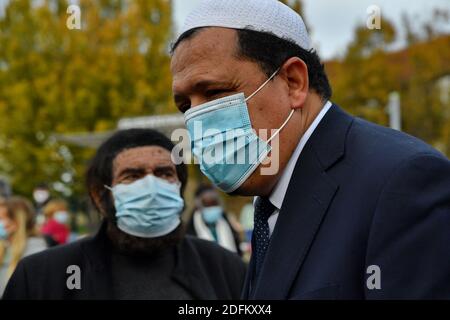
(361, 197)
(203, 268)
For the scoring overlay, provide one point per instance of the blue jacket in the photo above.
(366, 216)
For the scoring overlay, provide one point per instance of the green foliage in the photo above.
(370, 70)
(57, 81)
(54, 80)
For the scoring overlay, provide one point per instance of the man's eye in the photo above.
(167, 175)
(133, 176)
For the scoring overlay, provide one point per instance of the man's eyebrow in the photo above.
(127, 171)
(163, 168)
(201, 85)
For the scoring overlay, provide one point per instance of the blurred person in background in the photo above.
(246, 220)
(210, 222)
(5, 189)
(140, 251)
(41, 196)
(18, 236)
(56, 226)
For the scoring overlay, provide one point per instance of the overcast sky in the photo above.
(332, 21)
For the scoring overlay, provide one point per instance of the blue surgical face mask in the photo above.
(212, 214)
(224, 142)
(3, 232)
(148, 208)
(61, 217)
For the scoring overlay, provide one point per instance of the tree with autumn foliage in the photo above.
(54, 81)
(371, 69)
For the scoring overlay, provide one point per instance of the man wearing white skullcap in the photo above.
(344, 209)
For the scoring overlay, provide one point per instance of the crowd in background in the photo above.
(28, 227)
(24, 230)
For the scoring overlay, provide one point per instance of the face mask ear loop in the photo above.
(263, 85)
(281, 128)
(107, 187)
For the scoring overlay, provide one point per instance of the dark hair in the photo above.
(18, 204)
(202, 188)
(100, 169)
(270, 52)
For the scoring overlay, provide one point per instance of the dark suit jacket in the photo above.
(361, 195)
(204, 269)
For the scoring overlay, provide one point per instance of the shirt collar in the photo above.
(279, 192)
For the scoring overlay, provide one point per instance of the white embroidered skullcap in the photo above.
(260, 15)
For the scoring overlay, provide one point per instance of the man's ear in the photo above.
(295, 73)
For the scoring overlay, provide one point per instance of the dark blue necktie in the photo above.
(261, 232)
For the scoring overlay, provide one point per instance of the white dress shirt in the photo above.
(279, 192)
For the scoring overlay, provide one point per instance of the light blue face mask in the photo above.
(224, 142)
(148, 208)
(212, 214)
(3, 232)
(61, 217)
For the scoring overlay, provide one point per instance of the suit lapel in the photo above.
(306, 203)
(308, 197)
